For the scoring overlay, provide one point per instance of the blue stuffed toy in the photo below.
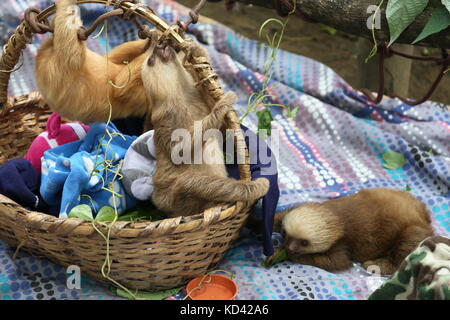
(75, 173)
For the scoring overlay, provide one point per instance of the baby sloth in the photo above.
(377, 227)
(189, 187)
(74, 80)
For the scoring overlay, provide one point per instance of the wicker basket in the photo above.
(146, 256)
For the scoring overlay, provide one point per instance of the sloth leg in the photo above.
(69, 50)
(409, 239)
(385, 265)
(336, 258)
(220, 189)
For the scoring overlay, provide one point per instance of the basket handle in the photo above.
(207, 79)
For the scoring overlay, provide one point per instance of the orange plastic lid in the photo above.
(213, 287)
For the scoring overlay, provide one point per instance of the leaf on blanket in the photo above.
(393, 160)
(276, 258)
(106, 214)
(143, 295)
(82, 211)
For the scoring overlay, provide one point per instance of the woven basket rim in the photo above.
(74, 226)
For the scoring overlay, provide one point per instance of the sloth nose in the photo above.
(163, 52)
(151, 60)
(291, 245)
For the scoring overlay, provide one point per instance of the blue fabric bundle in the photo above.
(19, 181)
(74, 173)
(261, 168)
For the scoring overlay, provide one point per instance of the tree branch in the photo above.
(351, 16)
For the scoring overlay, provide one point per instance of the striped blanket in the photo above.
(332, 148)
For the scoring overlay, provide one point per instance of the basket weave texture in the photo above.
(144, 255)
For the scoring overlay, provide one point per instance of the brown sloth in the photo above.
(189, 188)
(74, 80)
(377, 227)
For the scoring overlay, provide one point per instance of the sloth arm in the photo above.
(336, 258)
(127, 51)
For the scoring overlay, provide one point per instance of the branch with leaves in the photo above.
(351, 16)
(400, 14)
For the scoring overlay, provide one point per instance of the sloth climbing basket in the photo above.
(143, 255)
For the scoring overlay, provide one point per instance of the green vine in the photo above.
(374, 50)
(260, 98)
(107, 216)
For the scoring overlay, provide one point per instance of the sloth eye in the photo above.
(304, 243)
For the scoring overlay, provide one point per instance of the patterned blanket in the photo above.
(332, 148)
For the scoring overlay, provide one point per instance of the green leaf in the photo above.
(278, 21)
(106, 214)
(329, 30)
(446, 3)
(143, 295)
(265, 120)
(408, 188)
(145, 211)
(82, 211)
(293, 112)
(277, 258)
(401, 13)
(393, 160)
(439, 20)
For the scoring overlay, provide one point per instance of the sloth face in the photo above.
(298, 246)
(310, 228)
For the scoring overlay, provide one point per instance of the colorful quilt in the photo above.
(332, 148)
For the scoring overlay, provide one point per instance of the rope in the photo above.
(33, 24)
(386, 52)
(83, 33)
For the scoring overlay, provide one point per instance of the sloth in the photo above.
(377, 227)
(73, 80)
(189, 188)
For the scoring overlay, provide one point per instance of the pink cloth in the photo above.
(56, 135)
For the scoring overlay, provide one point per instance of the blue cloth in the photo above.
(66, 172)
(19, 181)
(261, 168)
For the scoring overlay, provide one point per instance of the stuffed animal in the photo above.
(57, 134)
